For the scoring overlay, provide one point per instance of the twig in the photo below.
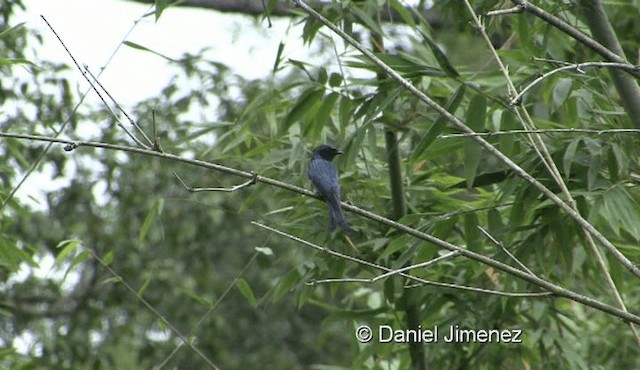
(513, 10)
(190, 189)
(84, 74)
(155, 312)
(156, 140)
(389, 271)
(266, 14)
(571, 67)
(545, 131)
(208, 313)
(44, 152)
(501, 246)
(423, 265)
(126, 131)
(131, 121)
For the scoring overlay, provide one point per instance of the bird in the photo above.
(324, 176)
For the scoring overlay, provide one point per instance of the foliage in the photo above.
(180, 252)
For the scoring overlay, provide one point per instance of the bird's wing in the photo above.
(324, 176)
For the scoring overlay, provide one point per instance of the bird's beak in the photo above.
(338, 151)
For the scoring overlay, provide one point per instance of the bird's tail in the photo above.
(336, 216)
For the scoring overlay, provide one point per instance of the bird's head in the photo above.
(325, 151)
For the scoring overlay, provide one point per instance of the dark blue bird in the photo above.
(324, 176)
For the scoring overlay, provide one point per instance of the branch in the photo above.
(571, 31)
(283, 9)
(190, 189)
(558, 290)
(572, 67)
(500, 245)
(390, 272)
(486, 145)
(546, 131)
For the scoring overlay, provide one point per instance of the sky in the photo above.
(94, 30)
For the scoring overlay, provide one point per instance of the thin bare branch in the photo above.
(131, 121)
(84, 74)
(513, 10)
(390, 272)
(546, 131)
(505, 251)
(104, 102)
(190, 189)
(156, 313)
(571, 67)
(209, 312)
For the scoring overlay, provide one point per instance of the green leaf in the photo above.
(322, 116)
(476, 114)
(9, 62)
(113, 279)
(198, 298)
(345, 111)
(507, 144)
(323, 76)
(108, 258)
(367, 20)
(276, 64)
(148, 220)
(471, 232)
(561, 90)
(440, 123)
(403, 64)
(441, 57)
(301, 66)
(403, 12)
(305, 105)
(619, 210)
(10, 30)
(140, 47)
(80, 258)
(311, 27)
(335, 79)
(397, 244)
(285, 284)
(494, 221)
(68, 246)
(246, 291)
(593, 171)
(161, 5)
(621, 160)
(569, 156)
(143, 288)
